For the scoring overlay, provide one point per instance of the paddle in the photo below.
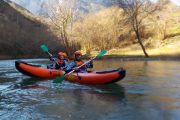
(61, 78)
(46, 50)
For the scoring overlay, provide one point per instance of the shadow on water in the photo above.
(111, 90)
(102, 93)
(29, 83)
(108, 93)
(79, 102)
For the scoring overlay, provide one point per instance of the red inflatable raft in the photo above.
(92, 77)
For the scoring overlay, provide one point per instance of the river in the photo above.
(150, 91)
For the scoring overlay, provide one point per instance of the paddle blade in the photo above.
(59, 79)
(102, 53)
(44, 48)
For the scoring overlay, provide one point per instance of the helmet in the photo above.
(77, 53)
(60, 54)
(65, 55)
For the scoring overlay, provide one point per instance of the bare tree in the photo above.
(136, 12)
(61, 16)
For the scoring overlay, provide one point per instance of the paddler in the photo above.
(58, 63)
(78, 62)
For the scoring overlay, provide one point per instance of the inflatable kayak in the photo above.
(92, 77)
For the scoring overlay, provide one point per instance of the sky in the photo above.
(177, 2)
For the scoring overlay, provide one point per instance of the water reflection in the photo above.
(28, 83)
(88, 102)
(106, 93)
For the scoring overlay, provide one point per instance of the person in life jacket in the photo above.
(58, 63)
(78, 62)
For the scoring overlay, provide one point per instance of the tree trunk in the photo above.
(67, 45)
(136, 29)
(141, 44)
(65, 41)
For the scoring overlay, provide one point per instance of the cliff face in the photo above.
(21, 35)
(39, 7)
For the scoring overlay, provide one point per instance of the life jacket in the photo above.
(60, 61)
(79, 63)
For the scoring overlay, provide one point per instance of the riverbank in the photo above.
(108, 57)
(6, 57)
(168, 51)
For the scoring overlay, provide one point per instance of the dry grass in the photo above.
(161, 33)
(169, 49)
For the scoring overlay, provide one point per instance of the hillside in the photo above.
(103, 26)
(22, 34)
(106, 29)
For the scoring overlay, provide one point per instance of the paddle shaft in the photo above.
(49, 53)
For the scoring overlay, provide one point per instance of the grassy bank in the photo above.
(169, 49)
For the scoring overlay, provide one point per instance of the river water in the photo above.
(150, 91)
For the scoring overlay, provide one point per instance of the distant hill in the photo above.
(22, 34)
(39, 7)
(17, 6)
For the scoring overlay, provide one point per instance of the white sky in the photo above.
(177, 2)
